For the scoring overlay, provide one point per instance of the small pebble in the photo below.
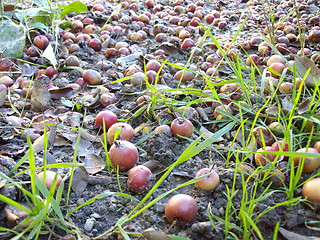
(159, 208)
(95, 215)
(80, 201)
(89, 224)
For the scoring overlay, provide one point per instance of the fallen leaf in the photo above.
(10, 7)
(303, 65)
(170, 49)
(15, 121)
(2, 182)
(50, 55)
(295, 236)
(154, 166)
(182, 174)
(92, 138)
(3, 96)
(61, 141)
(61, 92)
(40, 96)
(93, 163)
(151, 234)
(129, 59)
(72, 119)
(202, 114)
(14, 214)
(38, 144)
(286, 105)
(207, 134)
(85, 147)
(80, 180)
(304, 106)
(26, 69)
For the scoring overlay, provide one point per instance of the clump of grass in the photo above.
(42, 205)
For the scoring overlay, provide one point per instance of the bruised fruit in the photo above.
(182, 127)
(41, 42)
(139, 178)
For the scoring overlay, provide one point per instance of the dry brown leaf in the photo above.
(202, 113)
(151, 234)
(61, 92)
(142, 126)
(15, 121)
(61, 141)
(14, 215)
(286, 105)
(154, 166)
(303, 65)
(40, 97)
(39, 142)
(3, 96)
(93, 163)
(80, 180)
(207, 134)
(85, 147)
(170, 49)
(87, 136)
(304, 106)
(295, 236)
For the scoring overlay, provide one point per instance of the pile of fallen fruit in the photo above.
(123, 88)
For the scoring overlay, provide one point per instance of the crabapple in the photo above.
(311, 190)
(92, 77)
(123, 154)
(263, 159)
(50, 176)
(138, 178)
(182, 207)
(311, 163)
(126, 132)
(208, 183)
(107, 118)
(182, 127)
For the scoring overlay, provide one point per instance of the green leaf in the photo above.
(41, 3)
(23, 14)
(66, 102)
(65, 25)
(38, 25)
(76, 7)
(12, 39)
